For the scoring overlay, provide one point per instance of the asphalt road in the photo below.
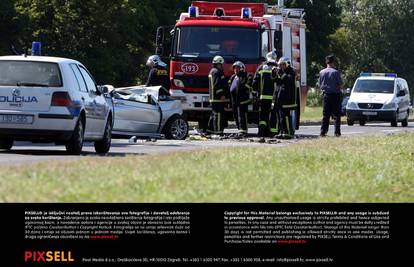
(24, 152)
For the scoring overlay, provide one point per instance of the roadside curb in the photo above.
(316, 123)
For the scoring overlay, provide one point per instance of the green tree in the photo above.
(111, 37)
(8, 26)
(376, 36)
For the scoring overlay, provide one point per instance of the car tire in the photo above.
(362, 123)
(6, 144)
(75, 144)
(350, 122)
(103, 146)
(176, 128)
(404, 123)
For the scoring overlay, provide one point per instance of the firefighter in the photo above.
(264, 85)
(284, 100)
(158, 74)
(240, 87)
(218, 91)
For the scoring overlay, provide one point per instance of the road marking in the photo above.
(352, 132)
(390, 131)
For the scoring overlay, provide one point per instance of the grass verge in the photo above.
(365, 169)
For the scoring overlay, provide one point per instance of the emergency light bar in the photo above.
(365, 74)
(246, 13)
(193, 11)
(36, 48)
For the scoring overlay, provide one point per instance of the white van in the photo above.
(379, 97)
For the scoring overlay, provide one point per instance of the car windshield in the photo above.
(374, 86)
(207, 42)
(29, 73)
(136, 95)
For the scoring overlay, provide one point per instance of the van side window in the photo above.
(80, 81)
(90, 83)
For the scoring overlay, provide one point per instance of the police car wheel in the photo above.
(394, 123)
(103, 146)
(75, 143)
(176, 129)
(6, 144)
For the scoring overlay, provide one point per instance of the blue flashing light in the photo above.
(391, 75)
(193, 11)
(36, 48)
(246, 13)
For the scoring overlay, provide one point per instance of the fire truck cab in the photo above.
(235, 31)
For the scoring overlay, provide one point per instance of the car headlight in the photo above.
(391, 105)
(351, 105)
(178, 83)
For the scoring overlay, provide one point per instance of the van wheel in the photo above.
(6, 144)
(362, 122)
(103, 146)
(349, 122)
(394, 123)
(176, 128)
(404, 123)
(75, 143)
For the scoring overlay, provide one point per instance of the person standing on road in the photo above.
(284, 100)
(217, 91)
(240, 96)
(158, 74)
(330, 82)
(264, 85)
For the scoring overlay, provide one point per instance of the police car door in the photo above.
(402, 98)
(98, 103)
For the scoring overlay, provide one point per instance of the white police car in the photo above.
(49, 99)
(379, 97)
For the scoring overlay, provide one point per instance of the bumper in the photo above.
(371, 115)
(50, 126)
(35, 135)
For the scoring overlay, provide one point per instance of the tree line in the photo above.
(114, 37)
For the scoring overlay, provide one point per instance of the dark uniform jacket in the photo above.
(217, 86)
(158, 76)
(241, 95)
(263, 83)
(286, 94)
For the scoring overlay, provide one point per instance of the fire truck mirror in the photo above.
(159, 41)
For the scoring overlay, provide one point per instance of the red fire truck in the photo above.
(235, 31)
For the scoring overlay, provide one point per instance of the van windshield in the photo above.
(374, 86)
(29, 73)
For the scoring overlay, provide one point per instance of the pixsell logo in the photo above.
(48, 256)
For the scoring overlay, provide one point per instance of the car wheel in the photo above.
(6, 144)
(404, 123)
(176, 128)
(362, 122)
(75, 143)
(394, 123)
(103, 146)
(349, 122)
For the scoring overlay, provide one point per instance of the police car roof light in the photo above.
(36, 48)
(193, 11)
(246, 13)
(392, 75)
